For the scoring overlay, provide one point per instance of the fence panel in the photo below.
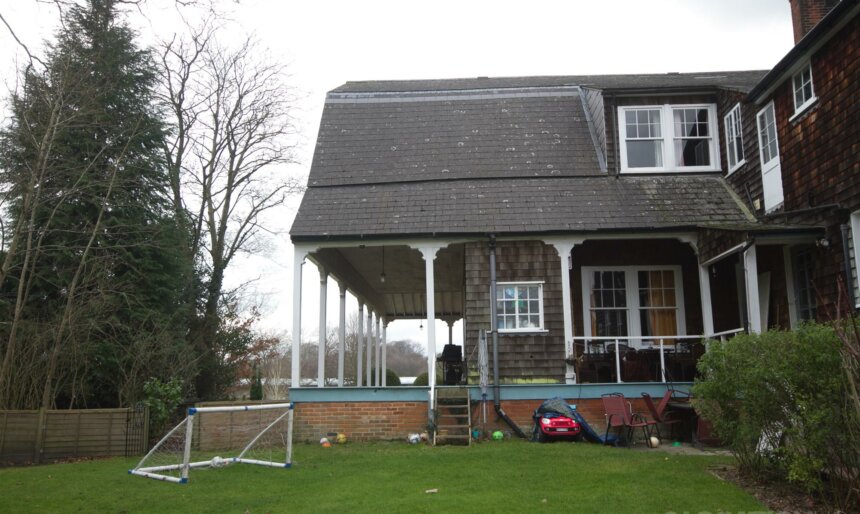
(49, 435)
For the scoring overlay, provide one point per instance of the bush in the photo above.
(779, 401)
(391, 378)
(162, 398)
(422, 380)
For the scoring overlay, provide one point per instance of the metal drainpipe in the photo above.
(493, 324)
(846, 258)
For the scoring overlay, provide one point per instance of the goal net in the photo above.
(215, 437)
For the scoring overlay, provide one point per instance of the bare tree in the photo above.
(232, 137)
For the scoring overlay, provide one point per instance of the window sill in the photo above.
(736, 167)
(523, 332)
(803, 109)
(653, 171)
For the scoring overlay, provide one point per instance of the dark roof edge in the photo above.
(596, 174)
(837, 18)
(668, 229)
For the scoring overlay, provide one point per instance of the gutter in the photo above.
(493, 328)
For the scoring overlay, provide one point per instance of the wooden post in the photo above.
(299, 255)
(341, 334)
(321, 340)
(40, 435)
(359, 343)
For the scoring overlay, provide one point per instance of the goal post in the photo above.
(259, 434)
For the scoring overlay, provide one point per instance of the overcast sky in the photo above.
(328, 43)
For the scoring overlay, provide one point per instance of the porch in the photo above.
(636, 308)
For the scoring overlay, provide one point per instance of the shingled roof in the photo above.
(511, 156)
(738, 80)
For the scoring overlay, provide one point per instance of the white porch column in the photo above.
(341, 336)
(429, 254)
(299, 255)
(751, 284)
(564, 248)
(359, 345)
(377, 347)
(705, 294)
(323, 336)
(384, 346)
(369, 354)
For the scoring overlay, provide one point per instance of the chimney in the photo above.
(805, 14)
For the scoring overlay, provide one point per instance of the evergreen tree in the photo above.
(92, 280)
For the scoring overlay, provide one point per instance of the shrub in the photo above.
(162, 398)
(422, 380)
(778, 399)
(391, 378)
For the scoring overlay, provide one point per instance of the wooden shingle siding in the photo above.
(818, 152)
(746, 180)
(526, 356)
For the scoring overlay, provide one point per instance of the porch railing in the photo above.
(681, 350)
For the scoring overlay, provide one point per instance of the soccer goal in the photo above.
(214, 437)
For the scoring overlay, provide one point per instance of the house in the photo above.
(628, 217)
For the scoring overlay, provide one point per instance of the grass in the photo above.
(509, 476)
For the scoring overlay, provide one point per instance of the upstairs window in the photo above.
(804, 93)
(734, 138)
(668, 138)
(519, 306)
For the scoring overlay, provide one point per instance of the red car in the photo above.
(551, 426)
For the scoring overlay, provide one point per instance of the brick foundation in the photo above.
(375, 421)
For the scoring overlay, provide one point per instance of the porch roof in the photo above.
(516, 206)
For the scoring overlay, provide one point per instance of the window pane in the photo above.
(533, 292)
(609, 323)
(658, 322)
(692, 152)
(534, 306)
(523, 321)
(510, 292)
(644, 154)
(534, 321)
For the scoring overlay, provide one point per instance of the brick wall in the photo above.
(360, 421)
(383, 421)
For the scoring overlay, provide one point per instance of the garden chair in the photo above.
(620, 415)
(659, 414)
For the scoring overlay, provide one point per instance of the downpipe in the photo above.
(493, 328)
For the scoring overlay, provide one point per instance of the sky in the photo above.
(326, 43)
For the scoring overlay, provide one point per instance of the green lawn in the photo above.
(509, 476)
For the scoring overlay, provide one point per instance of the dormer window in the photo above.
(668, 138)
(804, 92)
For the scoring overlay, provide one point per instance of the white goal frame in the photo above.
(188, 424)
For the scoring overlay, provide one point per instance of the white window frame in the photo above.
(732, 122)
(631, 282)
(797, 82)
(772, 165)
(668, 137)
(855, 238)
(527, 330)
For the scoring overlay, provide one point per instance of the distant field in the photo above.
(509, 476)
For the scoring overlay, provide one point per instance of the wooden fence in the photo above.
(38, 436)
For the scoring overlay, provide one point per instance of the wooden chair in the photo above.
(620, 415)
